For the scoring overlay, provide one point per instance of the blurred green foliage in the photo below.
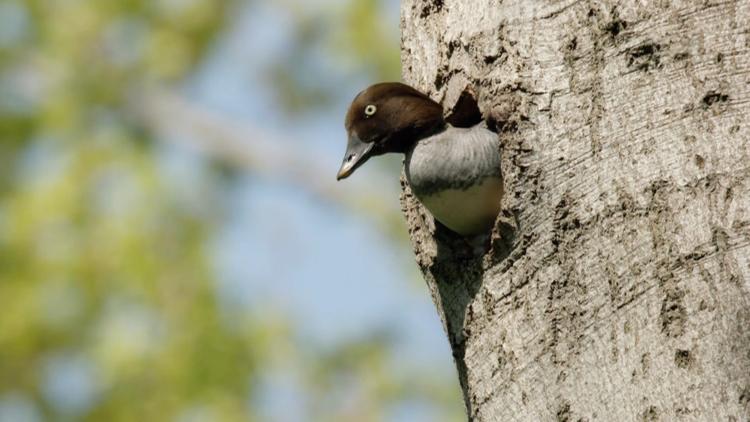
(352, 38)
(108, 301)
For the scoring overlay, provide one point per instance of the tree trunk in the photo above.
(617, 286)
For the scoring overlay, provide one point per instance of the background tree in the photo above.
(618, 283)
(110, 306)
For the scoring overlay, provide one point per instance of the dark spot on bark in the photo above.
(431, 7)
(503, 238)
(682, 358)
(592, 13)
(504, 362)
(505, 126)
(745, 396)
(645, 363)
(729, 195)
(439, 80)
(564, 221)
(713, 97)
(563, 413)
(720, 239)
(572, 44)
(683, 411)
(491, 58)
(657, 186)
(504, 116)
(681, 56)
(734, 129)
(719, 57)
(615, 27)
(443, 76)
(613, 281)
(452, 46)
(699, 161)
(673, 314)
(645, 57)
(465, 113)
(650, 414)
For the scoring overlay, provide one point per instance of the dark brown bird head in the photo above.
(387, 117)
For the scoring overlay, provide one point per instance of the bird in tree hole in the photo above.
(453, 171)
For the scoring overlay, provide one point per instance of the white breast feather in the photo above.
(456, 176)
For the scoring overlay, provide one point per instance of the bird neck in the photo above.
(409, 138)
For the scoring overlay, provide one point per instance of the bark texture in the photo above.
(617, 286)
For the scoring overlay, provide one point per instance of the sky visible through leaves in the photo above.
(173, 245)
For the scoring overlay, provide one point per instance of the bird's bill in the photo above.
(357, 152)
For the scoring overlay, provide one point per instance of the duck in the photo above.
(453, 171)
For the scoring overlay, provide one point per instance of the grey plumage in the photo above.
(456, 175)
(456, 158)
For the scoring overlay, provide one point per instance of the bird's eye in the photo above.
(370, 110)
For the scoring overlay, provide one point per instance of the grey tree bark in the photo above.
(617, 286)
